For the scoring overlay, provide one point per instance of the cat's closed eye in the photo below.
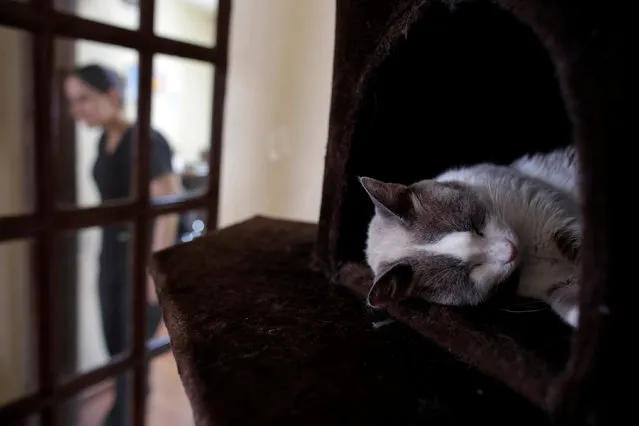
(475, 225)
(476, 229)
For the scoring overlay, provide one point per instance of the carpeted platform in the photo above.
(260, 339)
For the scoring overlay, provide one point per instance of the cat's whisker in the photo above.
(523, 311)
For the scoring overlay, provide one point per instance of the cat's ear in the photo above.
(393, 284)
(390, 198)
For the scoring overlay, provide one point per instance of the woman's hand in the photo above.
(166, 226)
(151, 293)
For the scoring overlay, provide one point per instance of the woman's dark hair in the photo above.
(101, 78)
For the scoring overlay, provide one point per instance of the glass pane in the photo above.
(106, 404)
(120, 13)
(181, 115)
(192, 21)
(95, 271)
(16, 123)
(176, 228)
(168, 230)
(167, 403)
(17, 349)
(192, 225)
(97, 103)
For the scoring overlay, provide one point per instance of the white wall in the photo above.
(182, 111)
(15, 276)
(277, 106)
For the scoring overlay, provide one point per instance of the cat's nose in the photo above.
(502, 251)
(513, 251)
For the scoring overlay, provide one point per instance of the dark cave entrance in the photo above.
(465, 86)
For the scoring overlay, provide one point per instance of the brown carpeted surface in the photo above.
(260, 339)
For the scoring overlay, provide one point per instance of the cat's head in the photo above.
(441, 241)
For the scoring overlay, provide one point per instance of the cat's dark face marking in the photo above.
(568, 243)
(439, 241)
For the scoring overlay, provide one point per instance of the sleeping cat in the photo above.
(453, 239)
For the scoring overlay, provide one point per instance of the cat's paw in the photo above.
(572, 317)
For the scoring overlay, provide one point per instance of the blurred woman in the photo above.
(95, 94)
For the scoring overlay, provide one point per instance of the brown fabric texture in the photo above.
(260, 339)
(423, 85)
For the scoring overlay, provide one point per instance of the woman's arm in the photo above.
(165, 229)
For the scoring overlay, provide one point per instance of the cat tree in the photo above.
(267, 318)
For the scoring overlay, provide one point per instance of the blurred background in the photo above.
(275, 128)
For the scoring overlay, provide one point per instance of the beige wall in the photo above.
(277, 105)
(14, 256)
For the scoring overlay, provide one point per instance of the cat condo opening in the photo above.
(456, 86)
